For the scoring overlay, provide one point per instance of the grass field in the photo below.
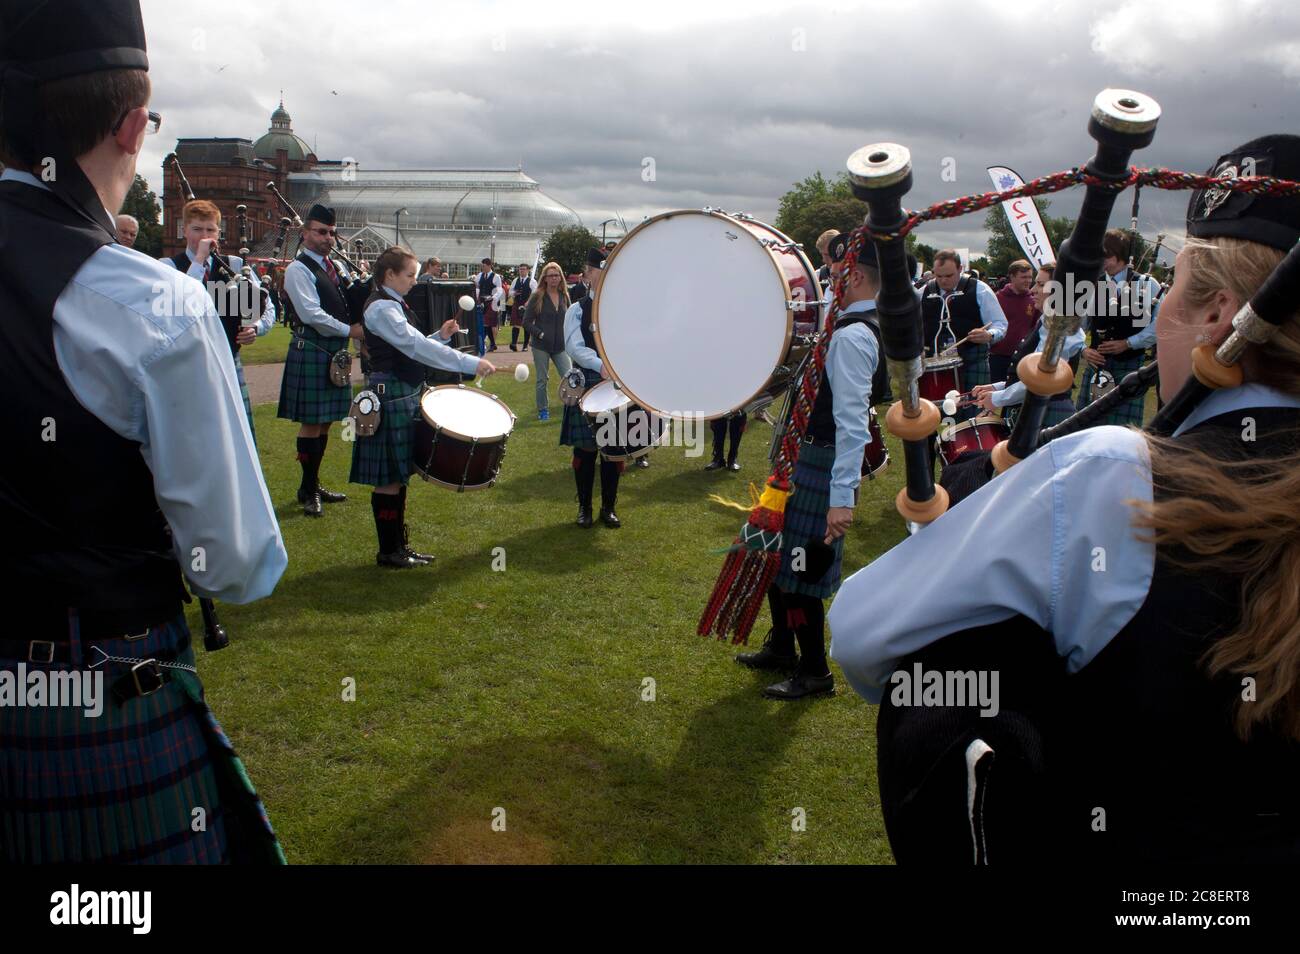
(522, 689)
(268, 349)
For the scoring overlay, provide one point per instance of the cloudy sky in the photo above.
(733, 101)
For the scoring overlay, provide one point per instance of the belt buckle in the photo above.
(301, 343)
(31, 650)
(131, 637)
(380, 389)
(155, 672)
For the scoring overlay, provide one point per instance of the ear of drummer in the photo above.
(1180, 327)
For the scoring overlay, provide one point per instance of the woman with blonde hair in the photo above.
(1155, 582)
(544, 320)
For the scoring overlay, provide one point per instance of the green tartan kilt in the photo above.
(385, 456)
(243, 391)
(805, 521)
(1130, 412)
(974, 365)
(306, 394)
(122, 787)
(575, 427)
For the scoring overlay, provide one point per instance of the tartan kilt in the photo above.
(121, 787)
(974, 365)
(805, 521)
(385, 456)
(1130, 412)
(306, 394)
(243, 391)
(575, 428)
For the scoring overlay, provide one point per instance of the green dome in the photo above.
(281, 136)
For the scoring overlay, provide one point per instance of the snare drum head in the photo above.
(941, 364)
(603, 397)
(466, 412)
(691, 313)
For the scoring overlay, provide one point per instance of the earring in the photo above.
(1203, 338)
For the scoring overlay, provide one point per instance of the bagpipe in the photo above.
(240, 302)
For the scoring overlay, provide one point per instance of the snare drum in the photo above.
(695, 315)
(876, 457)
(459, 437)
(623, 430)
(938, 377)
(978, 434)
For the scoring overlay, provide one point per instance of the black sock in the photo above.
(807, 617)
(719, 428)
(387, 509)
(584, 472)
(782, 639)
(609, 473)
(736, 427)
(310, 464)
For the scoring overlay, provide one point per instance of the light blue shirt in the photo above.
(387, 320)
(851, 360)
(142, 349)
(991, 312)
(197, 268)
(300, 286)
(1015, 394)
(1048, 539)
(574, 345)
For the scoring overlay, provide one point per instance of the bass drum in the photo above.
(696, 314)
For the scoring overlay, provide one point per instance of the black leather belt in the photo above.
(818, 442)
(94, 626)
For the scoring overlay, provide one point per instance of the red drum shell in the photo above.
(980, 434)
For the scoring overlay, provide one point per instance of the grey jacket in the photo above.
(547, 326)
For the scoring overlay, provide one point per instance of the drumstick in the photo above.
(954, 347)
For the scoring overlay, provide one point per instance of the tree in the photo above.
(814, 205)
(569, 247)
(143, 204)
(1003, 249)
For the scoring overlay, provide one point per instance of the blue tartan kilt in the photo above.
(805, 521)
(974, 365)
(243, 391)
(306, 394)
(385, 456)
(122, 786)
(575, 427)
(1130, 412)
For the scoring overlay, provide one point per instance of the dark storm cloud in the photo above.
(735, 109)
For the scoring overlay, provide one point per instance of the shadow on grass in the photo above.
(570, 798)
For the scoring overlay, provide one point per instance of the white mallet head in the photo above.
(521, 372)
(949, 407)
(466, 303)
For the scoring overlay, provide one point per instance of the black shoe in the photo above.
(329, 496)
(610, 519)
(715, 464)
(584, 516)
(398, 560)
(311, 505)
(768, 658)
(643, 462)
(424, 559)
(800, 686)
(733, 466)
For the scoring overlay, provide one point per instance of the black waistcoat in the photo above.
(386, 359)
(963, 309)
(331, 298)
(98, 543)
(821, 423)
(486, 285)
(1123, 316)
(588, 335)
(229, 322)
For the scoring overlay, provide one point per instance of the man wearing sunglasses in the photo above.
(322, 324)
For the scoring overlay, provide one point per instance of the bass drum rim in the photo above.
(743, 224)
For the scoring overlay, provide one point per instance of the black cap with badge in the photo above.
(44, 42)
(321, 213)
(595, 258)
(839, 247)
(1268, 220)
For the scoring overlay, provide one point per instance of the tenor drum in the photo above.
(978, 434)
(695, 315)
(459, 437)
(623, 430)
(876, 457)
(938, 377)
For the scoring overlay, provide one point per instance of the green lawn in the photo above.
(522, 689)
(268, 349)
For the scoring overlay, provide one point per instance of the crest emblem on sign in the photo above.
(1215, 197)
